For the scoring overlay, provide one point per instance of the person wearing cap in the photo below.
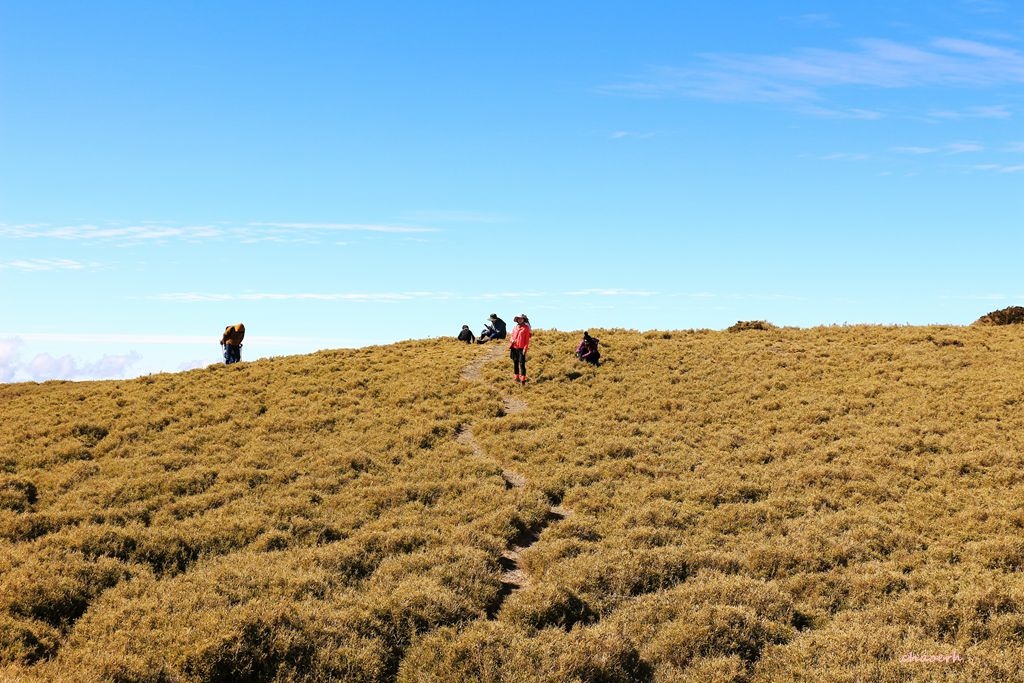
(493, 329)
(466, 335)
(231, 341)
(519, 342)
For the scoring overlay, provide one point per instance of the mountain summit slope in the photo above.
(783, 504)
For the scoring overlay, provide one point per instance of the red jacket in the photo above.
(520, 337)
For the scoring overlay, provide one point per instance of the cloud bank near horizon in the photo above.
(44, 366)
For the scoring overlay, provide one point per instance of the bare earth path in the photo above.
(512, 576)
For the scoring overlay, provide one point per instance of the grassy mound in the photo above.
(742, 325)
(799, 505)
(1013, 315)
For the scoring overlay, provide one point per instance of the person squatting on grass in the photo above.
(466, 335)
(231, 341)
(519, 342)
(587, 350)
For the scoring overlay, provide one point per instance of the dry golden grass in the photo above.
(776, 506)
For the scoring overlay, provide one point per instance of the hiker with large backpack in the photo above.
(587, 350)
(231, 341)
(519, 342)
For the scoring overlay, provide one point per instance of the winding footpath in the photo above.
(513, 577)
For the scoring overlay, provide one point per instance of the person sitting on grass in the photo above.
(493, 329)
(587, 350)
(466, 335)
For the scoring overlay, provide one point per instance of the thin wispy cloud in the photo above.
(910, 149)
(355, 297)
(981, 297)
(346, 227)
(814, 19)
(627, 134)
(596, 293)
(43, 264)
(1000, 168)
(984, 6)
(736, 296)
(151, 232)
(128, 233)
(964, 147)
(489, 296)
(611, 292)
(950, 148)
(845, 156)
(806, 75)
(833, 113)
(995, 111)
(453, 216)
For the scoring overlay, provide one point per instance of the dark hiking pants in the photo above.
(518, 357)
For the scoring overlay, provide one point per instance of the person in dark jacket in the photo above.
(466, 335)
(231, 341)
(587, 350)
(494, 329)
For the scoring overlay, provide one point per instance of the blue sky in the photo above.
(334, 174)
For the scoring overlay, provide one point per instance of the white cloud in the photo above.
(42, 264)
(819, 19)
(999, 168)
(994, 111)
(453, 216)
(963, 147)
(1015, 147)
(948, 148)
(44, 366)
(737, 296)
(151, 232)
(611, 292)
(914, 150)
(845, 156)
(359, 297)
(623, 134)
(830, 113)
(508, 295)
(803, 76)
(985, 6)
(8, 357)
(347, 227)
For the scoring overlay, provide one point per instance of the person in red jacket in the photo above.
(519, 342)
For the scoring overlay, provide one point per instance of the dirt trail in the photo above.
(472, 370)
(512, 575)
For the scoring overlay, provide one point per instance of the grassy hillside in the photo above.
(763, 505)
